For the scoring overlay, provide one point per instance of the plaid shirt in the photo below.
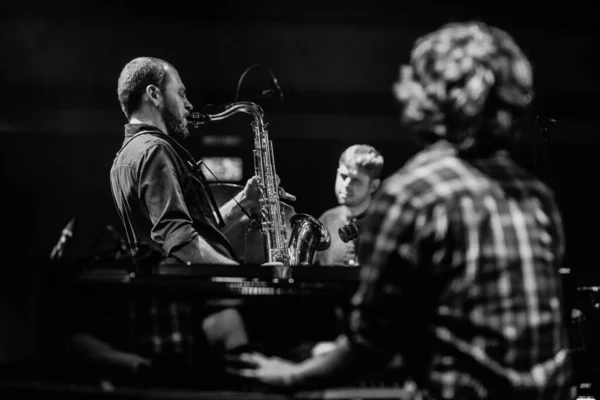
(151, 327)
(460, 277)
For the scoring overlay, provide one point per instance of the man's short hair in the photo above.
(135, 78)
(466, 82)
(364, 158)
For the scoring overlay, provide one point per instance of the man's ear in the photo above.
(374, 185)
(154, 95)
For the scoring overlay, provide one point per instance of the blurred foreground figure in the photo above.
(461, 248)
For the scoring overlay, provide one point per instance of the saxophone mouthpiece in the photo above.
(197, 119)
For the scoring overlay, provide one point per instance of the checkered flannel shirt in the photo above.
(151, 327)
(460, 276)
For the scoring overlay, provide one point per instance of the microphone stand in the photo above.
(275, 90)
(66, 234)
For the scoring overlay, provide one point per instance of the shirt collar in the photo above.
(434, 151)
(132, 129)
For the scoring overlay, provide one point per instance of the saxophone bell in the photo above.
(308, 235)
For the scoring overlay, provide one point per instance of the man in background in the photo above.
(357, 178)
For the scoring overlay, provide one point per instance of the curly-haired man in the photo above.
(461, 248)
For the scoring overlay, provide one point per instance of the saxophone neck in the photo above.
(253, 109)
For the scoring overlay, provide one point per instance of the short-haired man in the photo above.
(357, 178)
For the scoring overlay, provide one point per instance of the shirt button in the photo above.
(545, 237)
(510, 332)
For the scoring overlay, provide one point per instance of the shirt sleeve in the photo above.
(558, 232)
(390, 308)
(160, 190)
(385, 233)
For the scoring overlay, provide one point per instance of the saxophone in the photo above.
(307, 234)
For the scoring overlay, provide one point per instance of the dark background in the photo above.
(60, 122)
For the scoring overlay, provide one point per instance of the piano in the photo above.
(227, 285)
(290, 305)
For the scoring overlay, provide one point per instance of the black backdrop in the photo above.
(60, 123)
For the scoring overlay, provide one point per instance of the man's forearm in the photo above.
(231, 211)
(208, 254)
(199, 251)
(100, 352)
(340, 364)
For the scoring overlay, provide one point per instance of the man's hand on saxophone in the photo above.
(283, 195)
(249, 198)
(251, 194)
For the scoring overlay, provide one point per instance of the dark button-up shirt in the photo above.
(159, 201)
(460, 276)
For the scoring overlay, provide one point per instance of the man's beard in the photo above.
(176, 126)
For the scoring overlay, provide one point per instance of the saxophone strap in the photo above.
(195, 171)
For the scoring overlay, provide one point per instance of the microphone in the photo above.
(276, 85)
(67, 233)
(352, 230)
(268, 93)
(275, 90)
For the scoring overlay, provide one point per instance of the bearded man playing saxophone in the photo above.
(164, 201)
(161, 198)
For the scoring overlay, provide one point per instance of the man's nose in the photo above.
(188, 106)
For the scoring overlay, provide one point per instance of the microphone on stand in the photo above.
(352, 230)
(278, 90)
(67, 233)
(275, 90)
